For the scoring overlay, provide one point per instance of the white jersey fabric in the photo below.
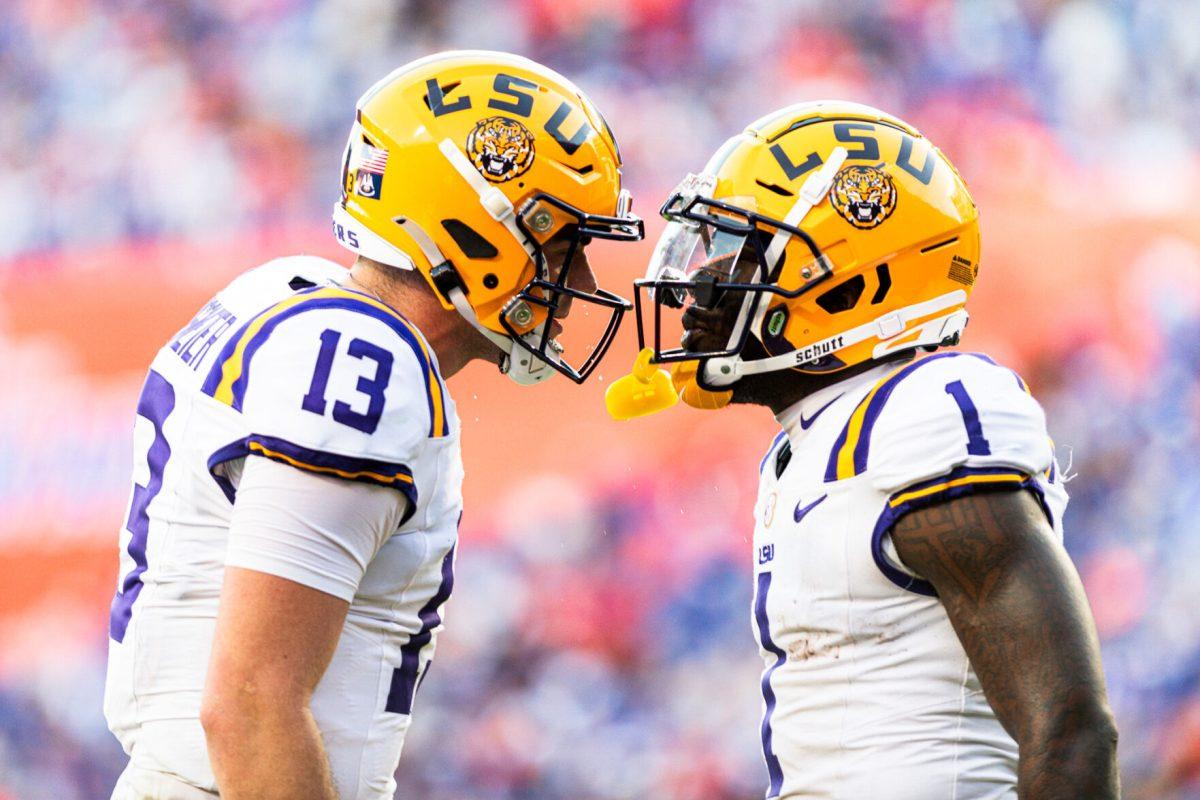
(286, 365)
(867, 690)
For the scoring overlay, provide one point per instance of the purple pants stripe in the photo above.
(774, 771)
(155, 404)
(406, 677)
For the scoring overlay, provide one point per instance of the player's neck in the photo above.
(786, 391)
(797, 417)
(454, 341)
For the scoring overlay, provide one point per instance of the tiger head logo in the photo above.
(865, 196)
(500, 148)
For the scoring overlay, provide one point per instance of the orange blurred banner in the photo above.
(79, 329)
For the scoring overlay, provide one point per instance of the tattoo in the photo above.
(1019, 610)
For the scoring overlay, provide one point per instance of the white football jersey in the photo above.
(867, 690)
(287, 365)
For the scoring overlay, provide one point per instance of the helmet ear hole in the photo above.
(844, 296)
(469, 240)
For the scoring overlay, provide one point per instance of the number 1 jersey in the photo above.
(867, 691)
(285, 364)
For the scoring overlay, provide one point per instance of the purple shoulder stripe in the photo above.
(875, 407)
(879, 400)
(433, 380)
(365, 470)
(213, 379)
(892, 514)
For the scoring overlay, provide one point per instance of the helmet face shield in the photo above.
(714, 252)
(701, 254)
(529, 318)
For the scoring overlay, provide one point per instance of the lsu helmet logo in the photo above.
(864, 196)
(500, 148)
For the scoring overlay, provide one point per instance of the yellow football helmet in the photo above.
(864, 243)
(463, 165)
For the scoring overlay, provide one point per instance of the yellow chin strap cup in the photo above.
(645, 390)
(683, 376)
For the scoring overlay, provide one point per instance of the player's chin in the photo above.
(701, 341)
(704, 332)
(706, 329)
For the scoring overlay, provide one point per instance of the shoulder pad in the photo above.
(281, 276)
(934, 415)
(336, 373)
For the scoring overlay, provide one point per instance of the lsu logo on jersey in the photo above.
(500, 148)
(769, 509)
(864, 196)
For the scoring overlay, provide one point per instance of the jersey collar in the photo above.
(798, 418)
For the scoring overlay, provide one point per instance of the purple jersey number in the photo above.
(977, 443)
(373, 388)
(155, 404)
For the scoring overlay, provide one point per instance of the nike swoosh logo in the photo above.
(805, 424)
(802, 511)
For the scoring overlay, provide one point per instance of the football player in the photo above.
(290, 540)
(923, 631)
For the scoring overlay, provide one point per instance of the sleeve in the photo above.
(331, 388)
(955, 423)
(947, 427)
(318, 531)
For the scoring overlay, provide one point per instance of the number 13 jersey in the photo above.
(867, 690)
(287, 365)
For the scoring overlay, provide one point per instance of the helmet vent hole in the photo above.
(938, 246)
(468, 240)
(776, 188)
(844, 296)
(885, 283)
(297, 283)
(490, 281)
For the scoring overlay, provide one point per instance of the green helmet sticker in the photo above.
(775, 322)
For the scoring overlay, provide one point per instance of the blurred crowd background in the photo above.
(598, 643)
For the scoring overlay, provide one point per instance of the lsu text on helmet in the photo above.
(844, 234)
(464, 165)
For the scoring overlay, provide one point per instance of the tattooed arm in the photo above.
(1018, 608)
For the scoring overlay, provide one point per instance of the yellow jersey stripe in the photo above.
(236, 363)
(900, 499)
(255, 447)
(845, 459)
(232, 369)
